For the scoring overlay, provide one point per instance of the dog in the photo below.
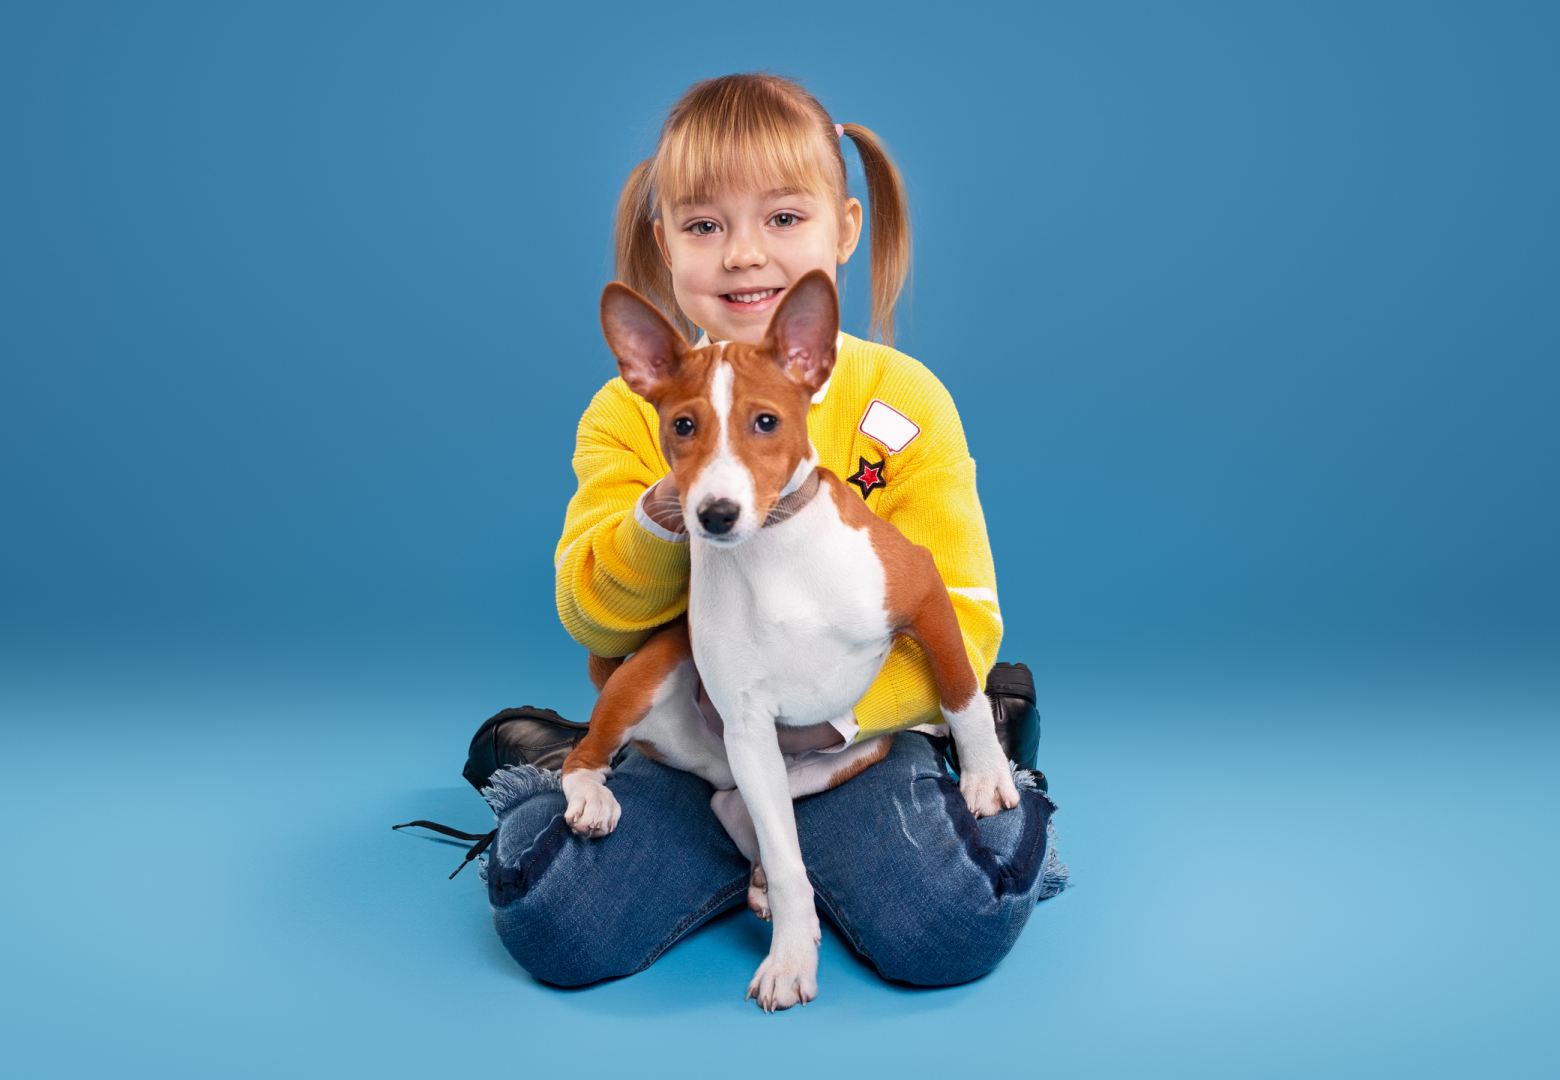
(796, 591)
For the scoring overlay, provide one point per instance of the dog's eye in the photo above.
(683, 425)
(766, 422)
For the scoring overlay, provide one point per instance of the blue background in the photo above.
(1249, 310)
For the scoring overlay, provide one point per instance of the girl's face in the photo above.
(742, 243)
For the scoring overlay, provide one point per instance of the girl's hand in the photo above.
(663, 504)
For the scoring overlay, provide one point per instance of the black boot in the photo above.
(1011, 690)
(523, 736)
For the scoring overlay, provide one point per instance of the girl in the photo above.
(745, 193)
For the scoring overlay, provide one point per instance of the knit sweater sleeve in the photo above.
(931, 498)
(619, 576)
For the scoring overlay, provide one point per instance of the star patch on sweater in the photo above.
(869, 477)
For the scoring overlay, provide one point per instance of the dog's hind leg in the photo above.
(733, 814)
(807, 774)
(626, 698)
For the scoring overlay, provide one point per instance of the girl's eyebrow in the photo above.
(689, 200)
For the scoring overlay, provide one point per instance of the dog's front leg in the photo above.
(985, 780)
(627, 696)
(789, 974)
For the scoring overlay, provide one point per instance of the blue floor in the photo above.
(1340, 871)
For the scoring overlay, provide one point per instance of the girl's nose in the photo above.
(743, 251)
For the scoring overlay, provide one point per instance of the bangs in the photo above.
(713, 150)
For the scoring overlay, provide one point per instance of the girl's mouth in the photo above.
(757, 300)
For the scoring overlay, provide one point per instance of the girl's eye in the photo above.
(694, 228)
(766, 422)
(785, 214)
(683, 425)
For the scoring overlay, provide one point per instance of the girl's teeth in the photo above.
(752, 298)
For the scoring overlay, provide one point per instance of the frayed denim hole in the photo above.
(1054, 876)
(1018, 875)
(507, 788)
(513, 784)
(506, 884)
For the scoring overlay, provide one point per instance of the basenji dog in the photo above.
(796, 590)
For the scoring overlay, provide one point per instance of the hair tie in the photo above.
(839, 131)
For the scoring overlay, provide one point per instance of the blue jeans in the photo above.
(922, 889)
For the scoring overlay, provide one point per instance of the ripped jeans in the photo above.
(926, 892)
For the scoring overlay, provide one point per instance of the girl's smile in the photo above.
(749, 301)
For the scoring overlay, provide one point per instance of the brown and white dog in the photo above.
(796, 590)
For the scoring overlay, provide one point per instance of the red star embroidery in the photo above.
(869, 477)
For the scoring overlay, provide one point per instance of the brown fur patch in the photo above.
(600, 668)
(760, 386)
(861, 764)
(626, 697)
(688, 395)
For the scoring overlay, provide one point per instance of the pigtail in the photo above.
(890, 228)
(639, 264)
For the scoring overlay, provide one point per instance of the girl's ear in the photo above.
(649, 349)
(803, 329)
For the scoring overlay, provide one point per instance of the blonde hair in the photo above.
(748, 132)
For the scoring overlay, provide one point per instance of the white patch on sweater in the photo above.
(887, 425)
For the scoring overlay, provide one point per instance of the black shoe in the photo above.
(523, 736)
(1011, 690)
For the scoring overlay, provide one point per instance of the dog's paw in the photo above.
(758, 893)
(988, 792)
(786, 977)
(593, 810)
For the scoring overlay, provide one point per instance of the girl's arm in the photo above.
(620, 572)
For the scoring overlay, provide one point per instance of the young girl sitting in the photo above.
(745, 193)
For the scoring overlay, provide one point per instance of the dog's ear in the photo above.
(803, 329)
(649, 349)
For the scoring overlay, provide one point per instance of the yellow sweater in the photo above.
(619, 575)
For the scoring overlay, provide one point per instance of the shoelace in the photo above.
(476, 849)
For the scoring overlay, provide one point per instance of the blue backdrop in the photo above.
(1249, 310)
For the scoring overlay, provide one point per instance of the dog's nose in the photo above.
(718, 516)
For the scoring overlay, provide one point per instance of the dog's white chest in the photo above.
(793, 620)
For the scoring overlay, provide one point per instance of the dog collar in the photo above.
(790, 504)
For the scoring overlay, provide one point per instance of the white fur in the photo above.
(790, 627)
(794, 619)
(724, 476)
(793, 622)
